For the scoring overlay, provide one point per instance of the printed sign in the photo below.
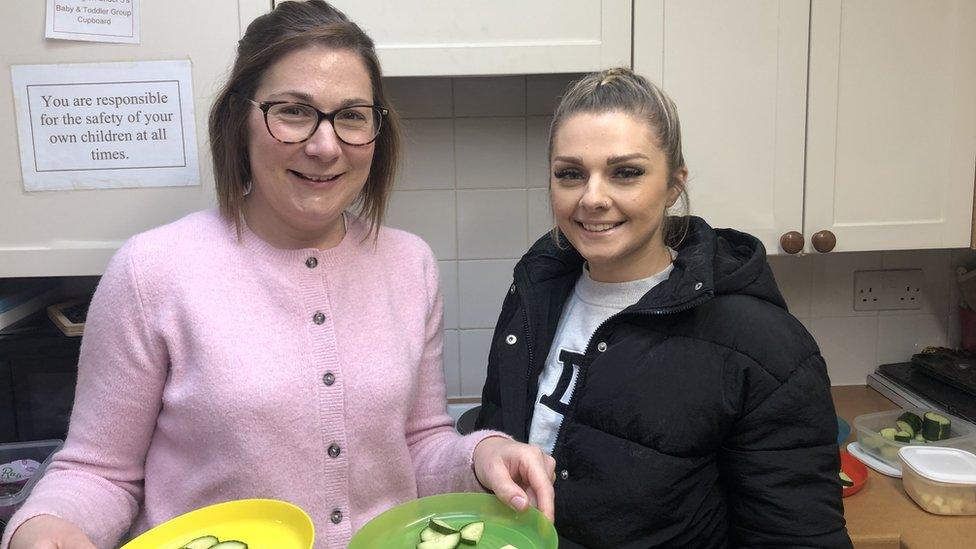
(106, 125)
(93, 20)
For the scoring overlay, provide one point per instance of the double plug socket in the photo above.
(888, 290)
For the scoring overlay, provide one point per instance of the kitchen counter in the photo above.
(882, 515)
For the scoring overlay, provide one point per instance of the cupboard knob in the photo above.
(824, 241)
(791, 242)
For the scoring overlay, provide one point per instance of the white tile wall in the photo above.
(428, 154)
(537, 151)
(429, 214)
(833, 282)
(492, 224)
(501, 96)
(474, 186)
(449, 289)
(490, 152)
(421, 97)
(899, 337)
(483, 286)
(793, 276)
(540, 214)
(452, 362)
(854, 343)
(474, 360)
(848, 345)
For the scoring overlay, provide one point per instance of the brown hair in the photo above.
(290, 27)
(622, 90)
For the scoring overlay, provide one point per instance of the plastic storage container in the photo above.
(962, 434)
(940, 480)
(40, 451)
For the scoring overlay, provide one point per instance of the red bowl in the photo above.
(854, 469)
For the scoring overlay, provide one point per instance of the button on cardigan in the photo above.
(206, 374)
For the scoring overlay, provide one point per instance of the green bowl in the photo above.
(399, 527)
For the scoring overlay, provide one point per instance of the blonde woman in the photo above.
(653, 356)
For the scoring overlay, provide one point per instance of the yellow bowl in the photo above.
(260, 523)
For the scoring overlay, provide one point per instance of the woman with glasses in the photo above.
(280, 347)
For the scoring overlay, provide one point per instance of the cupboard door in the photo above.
(64, 233)
(737, 72)
(892, 123)
(474, 37)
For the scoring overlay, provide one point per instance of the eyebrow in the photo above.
(610, 161)
(569, 159)
(306, 98)
(624, 158)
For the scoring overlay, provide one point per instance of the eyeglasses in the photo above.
(297, 122)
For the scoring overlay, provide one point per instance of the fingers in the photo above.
(519, 474)
(540, 474)
(505, 488)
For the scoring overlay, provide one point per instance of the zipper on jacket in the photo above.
(528, 340)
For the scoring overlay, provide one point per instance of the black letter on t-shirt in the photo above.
(570, 361)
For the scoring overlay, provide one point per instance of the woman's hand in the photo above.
(519, 474)
(49, 532)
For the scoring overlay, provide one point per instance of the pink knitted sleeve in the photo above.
(95, 481)
(442, 458)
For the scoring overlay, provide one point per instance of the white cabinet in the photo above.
(475, 37)
(737, 72)
(878, 147)
(61, 233)
(891, 137)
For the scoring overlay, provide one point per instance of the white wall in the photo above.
(474, 187)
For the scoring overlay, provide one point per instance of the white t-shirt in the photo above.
(587, 308)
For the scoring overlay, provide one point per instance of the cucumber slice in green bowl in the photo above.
(400, 526)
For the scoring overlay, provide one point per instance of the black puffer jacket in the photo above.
(704, 421)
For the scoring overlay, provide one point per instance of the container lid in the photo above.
(941, 464)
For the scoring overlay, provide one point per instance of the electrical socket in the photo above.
(888, 290)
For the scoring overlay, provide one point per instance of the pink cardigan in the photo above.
(213, 370)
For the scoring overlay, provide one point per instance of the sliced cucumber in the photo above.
(230, 544)
(918, 438)
(913, 420)
(903, 436)
(439, 525)
(202, 542)
(846, 480)
(508, 547)
(906, 427)
(471, 533)
(888, 433)
(449, 541)
(935, 426)
(429, 533)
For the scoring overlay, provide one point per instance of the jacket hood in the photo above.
(710, 262)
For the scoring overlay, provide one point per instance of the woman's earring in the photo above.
(247, 188)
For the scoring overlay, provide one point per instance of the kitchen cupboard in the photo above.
(60, 233)
(737, 72)
(891, 135)
(473, 37)
(853, 117)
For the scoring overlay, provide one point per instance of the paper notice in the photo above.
(106, 125)
(93, 20)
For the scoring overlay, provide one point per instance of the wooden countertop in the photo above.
(882, 515)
